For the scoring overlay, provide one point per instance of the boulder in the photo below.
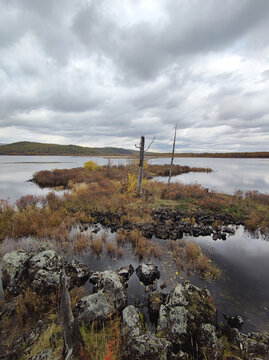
(132, 323)
(183, 313)
(112, 284)
(45, 271)
(254, 344)
(147, 273)
(77, 273)
(40, 271)
(234, 321)
(125, 273)
(97, 308)
(208, 342)
(14, 271)
(109, 296)
(139, 344)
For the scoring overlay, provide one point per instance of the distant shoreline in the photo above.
(27, 148)
(160, 155)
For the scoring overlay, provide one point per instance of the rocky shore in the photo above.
(171, 224)
(185, 321)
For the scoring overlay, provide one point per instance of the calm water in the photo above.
(229, 174)
(242, 289)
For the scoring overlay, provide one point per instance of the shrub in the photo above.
(90, 165)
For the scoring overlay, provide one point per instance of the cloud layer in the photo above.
(102, 73)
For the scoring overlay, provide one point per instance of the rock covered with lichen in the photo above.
(108, 298)
(40, 271)
(138, 343)
(14, 271)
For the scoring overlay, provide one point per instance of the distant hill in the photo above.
(35, 148)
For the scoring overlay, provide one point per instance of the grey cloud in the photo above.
(79, 71)
(143, 49)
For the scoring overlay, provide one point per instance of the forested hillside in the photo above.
(35, 148)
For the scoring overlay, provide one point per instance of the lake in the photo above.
(229, 174)
(243, 258)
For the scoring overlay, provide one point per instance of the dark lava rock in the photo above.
(155, 300)
(208, 341)
(125, 273)
(78, 273)
(147, 273)
(234, 321)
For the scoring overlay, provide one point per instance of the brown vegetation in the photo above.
(188, 256)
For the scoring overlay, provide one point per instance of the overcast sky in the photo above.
(104, 72)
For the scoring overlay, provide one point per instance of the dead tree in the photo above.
(141, 162)
(172, 156)
(72, 338)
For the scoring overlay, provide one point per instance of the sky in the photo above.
(104, 72)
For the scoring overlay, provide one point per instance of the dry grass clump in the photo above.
(102, 343)
(121, 237)
(96, 245)
(76, 294)
(30, 306)
(134, 236)
(81, 243)
(189, 256)
(144, 247)
(113, 249)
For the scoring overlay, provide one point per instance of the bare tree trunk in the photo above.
(67, 319)
(141, 164)
(172, 157)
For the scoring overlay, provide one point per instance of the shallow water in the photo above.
(229, 174)
(242, 289)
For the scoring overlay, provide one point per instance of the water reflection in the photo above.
(242, 290)
(229, 174)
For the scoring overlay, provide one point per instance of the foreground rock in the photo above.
(108, 299)
(186, 319)
(40, 272)
(138, 343)
(187, 328)
(147, 273)
(187, 310)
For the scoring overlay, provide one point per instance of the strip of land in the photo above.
(35, 148)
